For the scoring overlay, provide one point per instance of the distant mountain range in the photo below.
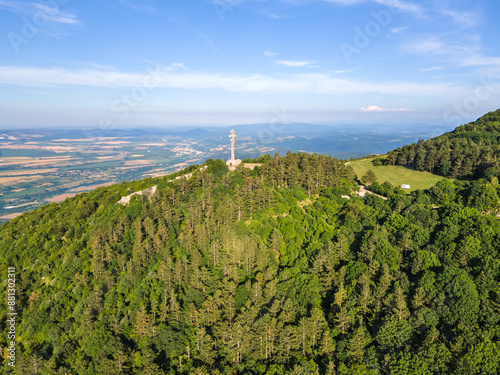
(342, 141)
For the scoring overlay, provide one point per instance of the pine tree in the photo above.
(142, 324)
(358, 343)
(400, 308)
(340, 295)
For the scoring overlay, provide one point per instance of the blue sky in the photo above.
(121, 63)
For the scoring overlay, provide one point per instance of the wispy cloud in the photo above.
(477, 59)
(15, 6)
(56, 15)
(401, 6)
(397, 30)
(51, 13)
(345, 71)
(177, 76)
(271, 54)
(465, 19)
(431, 45)
(92, 65)
(374, 108)
(294, 64)
(427, 10)
(464, 51)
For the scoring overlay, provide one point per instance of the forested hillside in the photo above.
(470, 151)
(265, 271)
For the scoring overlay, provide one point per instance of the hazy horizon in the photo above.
(189, 127)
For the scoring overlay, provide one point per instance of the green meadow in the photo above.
(395, 174)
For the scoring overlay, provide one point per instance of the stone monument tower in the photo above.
(233, 162)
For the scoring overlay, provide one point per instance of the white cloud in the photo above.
(397, 30)
(178, 77)
(271, 54)
(465, 51)
(480, 60)
(275, 16)
(294, 64)
(433, 45)
(14, 6)
(374, 108)
(401, 6)
(52, 14)
(464, 19)
(55, 15)
(432, 10)
(94, 66)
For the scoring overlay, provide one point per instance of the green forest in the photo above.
(471, 151)
(267, 271)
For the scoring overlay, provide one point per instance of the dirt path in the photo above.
(363, 191)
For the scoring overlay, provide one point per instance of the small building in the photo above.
(233, 163)
(405, 186)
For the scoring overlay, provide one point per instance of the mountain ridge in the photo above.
(264, 271)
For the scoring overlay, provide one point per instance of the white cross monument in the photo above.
(233, 162)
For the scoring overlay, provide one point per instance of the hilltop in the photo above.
(470, 151)
(264, 271)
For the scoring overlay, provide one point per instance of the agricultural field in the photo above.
(45, 166)
(395, 174)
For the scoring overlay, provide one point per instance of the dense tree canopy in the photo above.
(470, 151)
(265, 271)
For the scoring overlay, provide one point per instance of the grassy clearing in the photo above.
(396, 175)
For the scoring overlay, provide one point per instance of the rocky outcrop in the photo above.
(148, 193)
